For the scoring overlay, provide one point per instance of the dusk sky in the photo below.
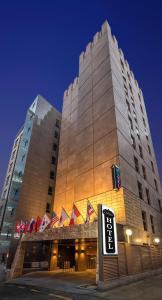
(40, 43)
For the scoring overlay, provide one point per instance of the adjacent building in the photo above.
(30, 180)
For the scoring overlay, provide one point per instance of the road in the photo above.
(19, 292)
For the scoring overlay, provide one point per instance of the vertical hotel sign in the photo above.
(116, 177)
(109, 232)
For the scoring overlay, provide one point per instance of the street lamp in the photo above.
(156, 240)
(128, 233)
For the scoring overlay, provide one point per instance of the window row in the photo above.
(145, 223)
(140, 192)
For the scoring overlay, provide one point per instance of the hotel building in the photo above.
(104, 124)
(30, 180)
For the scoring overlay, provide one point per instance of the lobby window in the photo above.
(140, 151)
(57, 123)
(148, 196)
(131, 123)
(48, 207)
(152, 166)
(156, 185)
(133, 141)
(140, 190)
(52, 175)
(144, 218)
(53, 160)
(149, 149)
(144, 172)
(128, 106)
(54, 147)
(136, 164)
(160, 207)
(50, 190)
(56, 134)
(152, 223)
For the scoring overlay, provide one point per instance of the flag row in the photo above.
(40, 224)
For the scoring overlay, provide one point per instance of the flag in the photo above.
(45, 221)
(75, 214)
(38, 223)
(54, 218)
(26, 227)
(22, 226)
(17, 227)
(31, 225)
(90, 211)
(64, 216)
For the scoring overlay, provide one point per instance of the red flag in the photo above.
(26, 227)
(75, 214)
(90, 211)
(38, 223)
(17, 227)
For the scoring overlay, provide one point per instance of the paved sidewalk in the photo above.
(81, 286)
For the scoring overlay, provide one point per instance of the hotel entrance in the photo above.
(66, 255)
(74, 255)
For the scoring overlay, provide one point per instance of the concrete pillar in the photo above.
(18, 262)
(54, 256)
(80, 255)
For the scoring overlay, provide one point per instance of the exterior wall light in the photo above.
(128, 232)
(156, 240)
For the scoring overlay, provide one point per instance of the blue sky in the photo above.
(40, 42)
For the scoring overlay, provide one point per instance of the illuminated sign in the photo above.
(116, 177)
(109, 233)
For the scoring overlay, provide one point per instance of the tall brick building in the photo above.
(30, 180)
(104, 122)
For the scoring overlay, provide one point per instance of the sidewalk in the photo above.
(146, 289)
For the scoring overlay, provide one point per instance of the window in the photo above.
(136, 164)
(141, 108)
(128, 76)
(26, 142)
(50, 190)
(148, 196)
(10, 167)
(133, 141)
(16, 142)
(23, 157)
(140, 151)
(147, 138)
(54, 147)
(152, 223)
(48, 207)
(149, 149)
(16, 192)
(56, 134)
(139, 97)
(122, 64)
(128, 106)
(53, 160)
(124, 79)
(156, 185)
(52, 175)
(130, 89)
(152, 166)
(144, 122)
(1, 208)
(132, 102)
(131, 123)
(57, 123)
(20, 174)
(140, 190)
(13, 154)
(7, 180)
(144, 172)
(138, 135)
(144, 218)
(28, 129)
(159, 202)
